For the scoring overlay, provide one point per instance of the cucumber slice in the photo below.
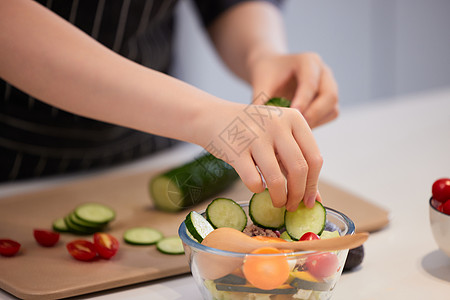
(95, 213)
(88, 225)
(59, 225)
(198, 226)
(77, 229)
(305, 219)
(281, 102)
(285, 236)
(329, 234)
(224, 212)
(263, 213)
(142, 236)
(170, 245)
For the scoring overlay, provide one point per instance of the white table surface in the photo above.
(389, 152)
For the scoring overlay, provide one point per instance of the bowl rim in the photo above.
(435, 208)
(182, 233)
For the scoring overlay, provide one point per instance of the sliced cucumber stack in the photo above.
(305, 219)
(263, 213)
(197, 226)
(224, 212)
(87, 218)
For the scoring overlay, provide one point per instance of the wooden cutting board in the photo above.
(47, 273)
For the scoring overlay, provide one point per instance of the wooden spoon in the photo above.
(230, 239)
(213, 266)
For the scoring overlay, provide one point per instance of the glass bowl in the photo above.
(311, 274)
(440, 226)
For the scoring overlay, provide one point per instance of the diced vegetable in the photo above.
(170, 245)
(263, 213)
(142, 236)
(223, 212)
(305, 219)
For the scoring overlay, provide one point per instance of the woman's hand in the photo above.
(303, 78)
(274, 142)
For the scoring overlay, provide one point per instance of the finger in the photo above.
(248, 172)
(296, 170)
(266, 161)
(303, 135)
(319, 197)
(308, 78)
(325, 107)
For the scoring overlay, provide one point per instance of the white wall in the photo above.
(376, 48)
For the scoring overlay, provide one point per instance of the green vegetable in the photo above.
(142, 236)
(263, 213)
(305, 219)
(281, 102)
(191, 183)
(59, 225)
(197, 226)
(170, 245)
(223, 212)
(95, 213)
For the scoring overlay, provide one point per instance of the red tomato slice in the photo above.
(309, 236)
(441, 189)
(9, 247)
(46, 238)
(106, 245)
(82, 250)
(323, 264)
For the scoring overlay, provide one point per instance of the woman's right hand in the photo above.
(274, 142)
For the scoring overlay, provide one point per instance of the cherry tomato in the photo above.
(82, 250)
(322, 264)
(309, 236)
(106, 245)
(9, 247)
(46, 238)
(266, 272)
(441, 190)
(445, 207)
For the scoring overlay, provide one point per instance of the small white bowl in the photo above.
(440, 226)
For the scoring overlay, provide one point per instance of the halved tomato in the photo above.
(82, 250)
(105, 244)
(8, 247)
(46, 238)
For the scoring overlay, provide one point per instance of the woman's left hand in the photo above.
(303, 78)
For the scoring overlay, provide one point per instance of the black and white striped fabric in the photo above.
(38, 140)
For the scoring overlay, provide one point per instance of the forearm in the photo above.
(51, 60)
(246, 33)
